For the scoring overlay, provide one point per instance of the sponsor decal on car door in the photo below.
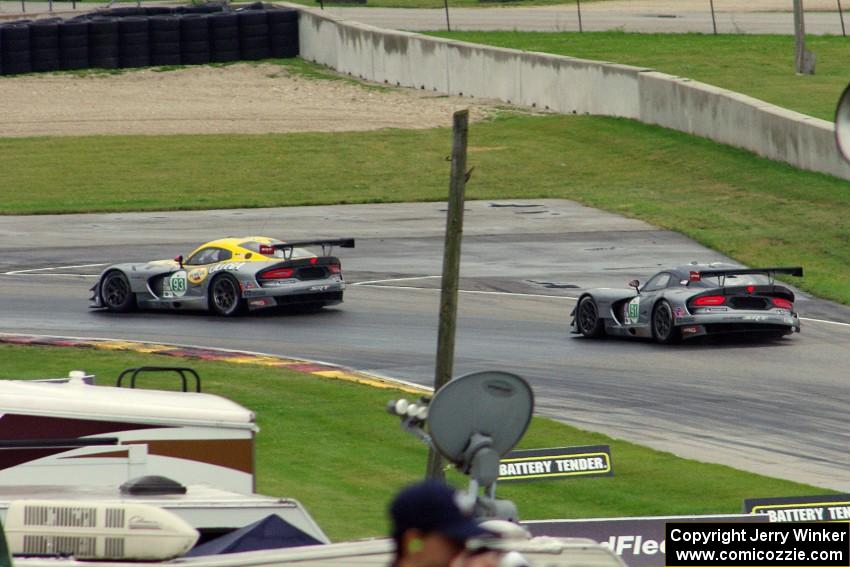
(631, 311)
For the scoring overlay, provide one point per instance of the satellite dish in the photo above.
(495, 404)
(842, 124)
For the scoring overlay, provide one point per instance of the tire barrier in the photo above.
(254, 35)
(16, 49)
(194, 39)
(283, 33)
(134, 47)
(44, 46)
(103, 43)
(74, 45)
(224, 37)
(165, 40)
(157, 35)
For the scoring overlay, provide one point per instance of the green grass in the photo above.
(755, 210)
(331, 445)
(761, 66)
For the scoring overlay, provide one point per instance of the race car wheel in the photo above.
(662, 324)
(115, 292)
(587, 317)
(226, 296)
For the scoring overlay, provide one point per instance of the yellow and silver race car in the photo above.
(228, 276)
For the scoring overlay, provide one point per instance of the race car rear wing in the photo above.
(795, 271)
(327, 245)
(721, 275)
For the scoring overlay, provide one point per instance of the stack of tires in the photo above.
(103, 43)
(15, 47)
(254, 35)
(134, 45)
(139, 37)
(194, 39)
(165, 40)
(224, 37)
(44, 45)
(283, 33)
(74, 45)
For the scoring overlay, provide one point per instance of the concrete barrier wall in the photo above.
(569, 85)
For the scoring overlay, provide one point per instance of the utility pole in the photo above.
(578, 7)
(713, 18)
(804, 61)
(451, 271)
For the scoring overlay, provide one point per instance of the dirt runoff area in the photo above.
(242, 98)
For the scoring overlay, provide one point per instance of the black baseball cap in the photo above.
(432, 506)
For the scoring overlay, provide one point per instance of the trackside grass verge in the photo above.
(755, 210)
(332, 446)
(761, 66)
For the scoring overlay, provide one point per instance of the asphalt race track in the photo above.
(779, 407)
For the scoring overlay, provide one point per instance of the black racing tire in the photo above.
(115, 292)
(664, 330)
(166, 57)
(588, 321)
(225, 296)
(194, 28)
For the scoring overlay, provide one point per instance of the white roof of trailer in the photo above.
(77, 400)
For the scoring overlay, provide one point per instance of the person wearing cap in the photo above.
(430, 527)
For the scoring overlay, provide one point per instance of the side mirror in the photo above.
(842, 124)
(635, 284)
(179, 260)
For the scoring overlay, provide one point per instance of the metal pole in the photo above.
(451, 271)
(841, 15)
(448, 23)
(23, 7)
(713, 18)
(799, 38)
(578, 7)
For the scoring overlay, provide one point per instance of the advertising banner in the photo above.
(556, 462)
(640, 542)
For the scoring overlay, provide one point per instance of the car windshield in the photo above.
(735, 280)
(254, 246)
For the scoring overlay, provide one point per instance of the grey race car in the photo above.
(691, 301)
(228, 276)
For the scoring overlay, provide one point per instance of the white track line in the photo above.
(470, 291)
(396, 280)
(825, 321)
(31, 271)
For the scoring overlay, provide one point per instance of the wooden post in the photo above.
(578, 7)
(451, 271)
(799, 36)
(713, 18)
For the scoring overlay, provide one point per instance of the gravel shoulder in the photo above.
(236, 99)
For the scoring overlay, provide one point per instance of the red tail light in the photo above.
(277, 274)
(782, 303)
(707, 300)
